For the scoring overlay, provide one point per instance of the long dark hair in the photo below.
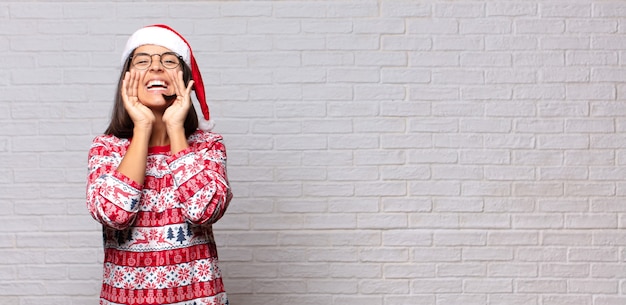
(122, 126)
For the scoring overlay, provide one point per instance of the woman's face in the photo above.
(155, 80)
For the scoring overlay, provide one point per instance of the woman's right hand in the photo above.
(141, 115)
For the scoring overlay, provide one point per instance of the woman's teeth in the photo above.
(156, 85)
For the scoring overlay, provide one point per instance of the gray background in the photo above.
(380, 152)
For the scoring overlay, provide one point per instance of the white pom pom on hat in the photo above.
(165, 36)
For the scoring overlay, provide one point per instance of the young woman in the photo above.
(157, 182)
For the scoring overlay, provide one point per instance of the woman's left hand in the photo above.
(176, 113)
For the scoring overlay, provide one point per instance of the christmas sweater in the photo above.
(158, 240)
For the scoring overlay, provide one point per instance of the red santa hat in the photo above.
(165, 36)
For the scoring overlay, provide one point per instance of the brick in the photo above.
(487, 93)
(300, 9)
(383, 26)
(432, 26)
(571, 270)
(89, 11)
(457, 205)
(430, 93)
(403, 237)
(593, 254)
(546, 255)
(487, 254)
(426, 286)
(552, 286)
(37, 11)
(458, 109)
(330, 26)
(402, 43)
(457, 141)
(449, 254)
(300, 270)
(594, 286)
(519, 76)
(610, 10)
(513, 206)
(565, 10)
(591, 26)
(600, 58)
(434, 188)
(404, 173)
(365, 238)
(387, 287)
(350, 141)
(433, 59)
(548, 26)
(488, 286)
(375, 58)
(423, 221)
(457, 43)
(359, 300)
(459, 239)
(405, 205)
(512, 270)
(377, 92)
(511, 9)
(332, 255)
(21, 288)
(268, 286)
(240, 10)
(300, 142)
(451, 270)
(512, 238)
(360, 270)
(485, 26)
(405, 9)
(380, 189)
(591, 221)
(513, 299)
(351, 109)
(332, 286)
(365, 42)
(502, 43)
(53, 272)
(459, 10)
(538, 58)
(326, 58)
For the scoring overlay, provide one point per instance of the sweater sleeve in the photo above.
(200, 179)
(112, 198)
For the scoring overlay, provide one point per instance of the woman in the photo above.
(156, 182)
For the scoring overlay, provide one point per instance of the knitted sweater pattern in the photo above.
(158, 239)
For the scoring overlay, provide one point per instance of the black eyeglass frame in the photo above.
(132, 63)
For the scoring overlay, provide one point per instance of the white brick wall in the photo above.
(390, 152)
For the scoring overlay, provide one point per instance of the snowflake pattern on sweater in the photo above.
(158, 239)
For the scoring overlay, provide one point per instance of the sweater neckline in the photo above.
(159, 149)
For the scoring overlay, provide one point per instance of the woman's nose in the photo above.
(155, 64)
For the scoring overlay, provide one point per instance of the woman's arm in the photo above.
(112, 196)
(200, 178)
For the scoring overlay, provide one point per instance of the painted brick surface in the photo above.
(388, 152)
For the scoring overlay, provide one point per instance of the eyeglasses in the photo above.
(169, 60)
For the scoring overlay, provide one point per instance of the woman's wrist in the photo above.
(178, 140)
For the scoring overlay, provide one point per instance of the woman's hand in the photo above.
(141, 115)
(175, 115)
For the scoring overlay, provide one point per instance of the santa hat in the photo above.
(165, 36)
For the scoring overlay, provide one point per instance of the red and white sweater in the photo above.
(158, 240)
